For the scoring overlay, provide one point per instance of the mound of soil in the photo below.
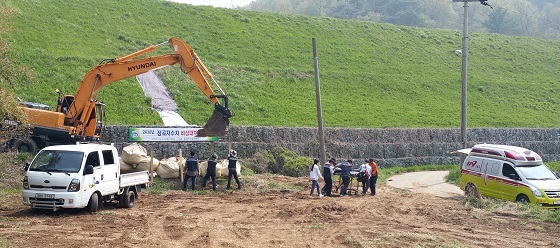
(262, 215)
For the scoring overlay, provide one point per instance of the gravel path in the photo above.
(432, 182)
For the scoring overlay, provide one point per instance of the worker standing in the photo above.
(232, 169)
(365, 169)
(328, 170)
(373, 178)
(314, 175)
(191, 167)
(345, 169)
(211, 171)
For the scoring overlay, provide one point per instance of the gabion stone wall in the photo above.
(388, 146)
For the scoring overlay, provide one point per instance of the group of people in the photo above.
(368, 171)
(192, 170)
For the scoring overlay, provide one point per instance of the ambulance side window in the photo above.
(494, 168)
(508, 171)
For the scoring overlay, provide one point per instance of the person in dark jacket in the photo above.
(211, 171)
(328, 170)
(191, 168)
(345, 169)
(232, 169)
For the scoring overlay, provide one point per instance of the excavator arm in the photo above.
(79, 107)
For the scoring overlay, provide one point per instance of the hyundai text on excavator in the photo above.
(80, 117)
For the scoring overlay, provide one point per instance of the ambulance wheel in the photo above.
(472, 191)
(522, 199)
(93, 203)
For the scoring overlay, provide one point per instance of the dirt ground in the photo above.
(268, 212)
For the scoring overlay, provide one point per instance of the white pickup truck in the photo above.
(80, 176)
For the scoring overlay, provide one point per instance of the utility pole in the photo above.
(319, 108)
(465, 51)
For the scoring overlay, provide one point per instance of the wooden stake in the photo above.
(151, 163)
(181, 164)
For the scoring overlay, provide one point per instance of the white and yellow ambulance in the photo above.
(511, 173)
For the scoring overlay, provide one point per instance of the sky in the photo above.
(216, 3)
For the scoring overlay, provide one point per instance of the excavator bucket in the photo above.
(218, 124)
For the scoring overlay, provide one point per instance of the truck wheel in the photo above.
(25, 145)
(129, 198)
(472, 191)
(93, 203)
(121, 199)
(522, 199)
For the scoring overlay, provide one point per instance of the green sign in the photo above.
(167, 134)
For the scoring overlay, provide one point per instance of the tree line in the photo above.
(536, 18)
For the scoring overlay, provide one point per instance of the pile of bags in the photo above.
(221, 168)
(135, 157)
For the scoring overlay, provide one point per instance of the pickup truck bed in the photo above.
(130, 178)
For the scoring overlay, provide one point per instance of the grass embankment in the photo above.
(372, 75)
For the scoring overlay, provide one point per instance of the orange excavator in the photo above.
(81, 117)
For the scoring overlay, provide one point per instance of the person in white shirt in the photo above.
(314, 176)
(366, 169)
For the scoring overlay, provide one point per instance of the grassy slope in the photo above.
(372, 75)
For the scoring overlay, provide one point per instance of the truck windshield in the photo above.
(536, 172)
(57, 161)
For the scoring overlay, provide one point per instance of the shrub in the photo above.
(296, 166)
(279, 161)
(11, 169)
(260, 162)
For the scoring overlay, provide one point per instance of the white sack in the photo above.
(134, 153)
(145, 164)
(125, 166)
(168, 168)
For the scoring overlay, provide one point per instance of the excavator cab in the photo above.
(100, 118)
(64, 102)
(218, 123)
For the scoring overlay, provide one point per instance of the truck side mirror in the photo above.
(26, 166)
(88, 170)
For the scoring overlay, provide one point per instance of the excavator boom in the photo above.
(81, 116)
(78, 108)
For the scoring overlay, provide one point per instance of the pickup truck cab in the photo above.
(509, 173)
(80, 176)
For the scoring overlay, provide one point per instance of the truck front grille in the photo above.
(34, 186)
(43, 203)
